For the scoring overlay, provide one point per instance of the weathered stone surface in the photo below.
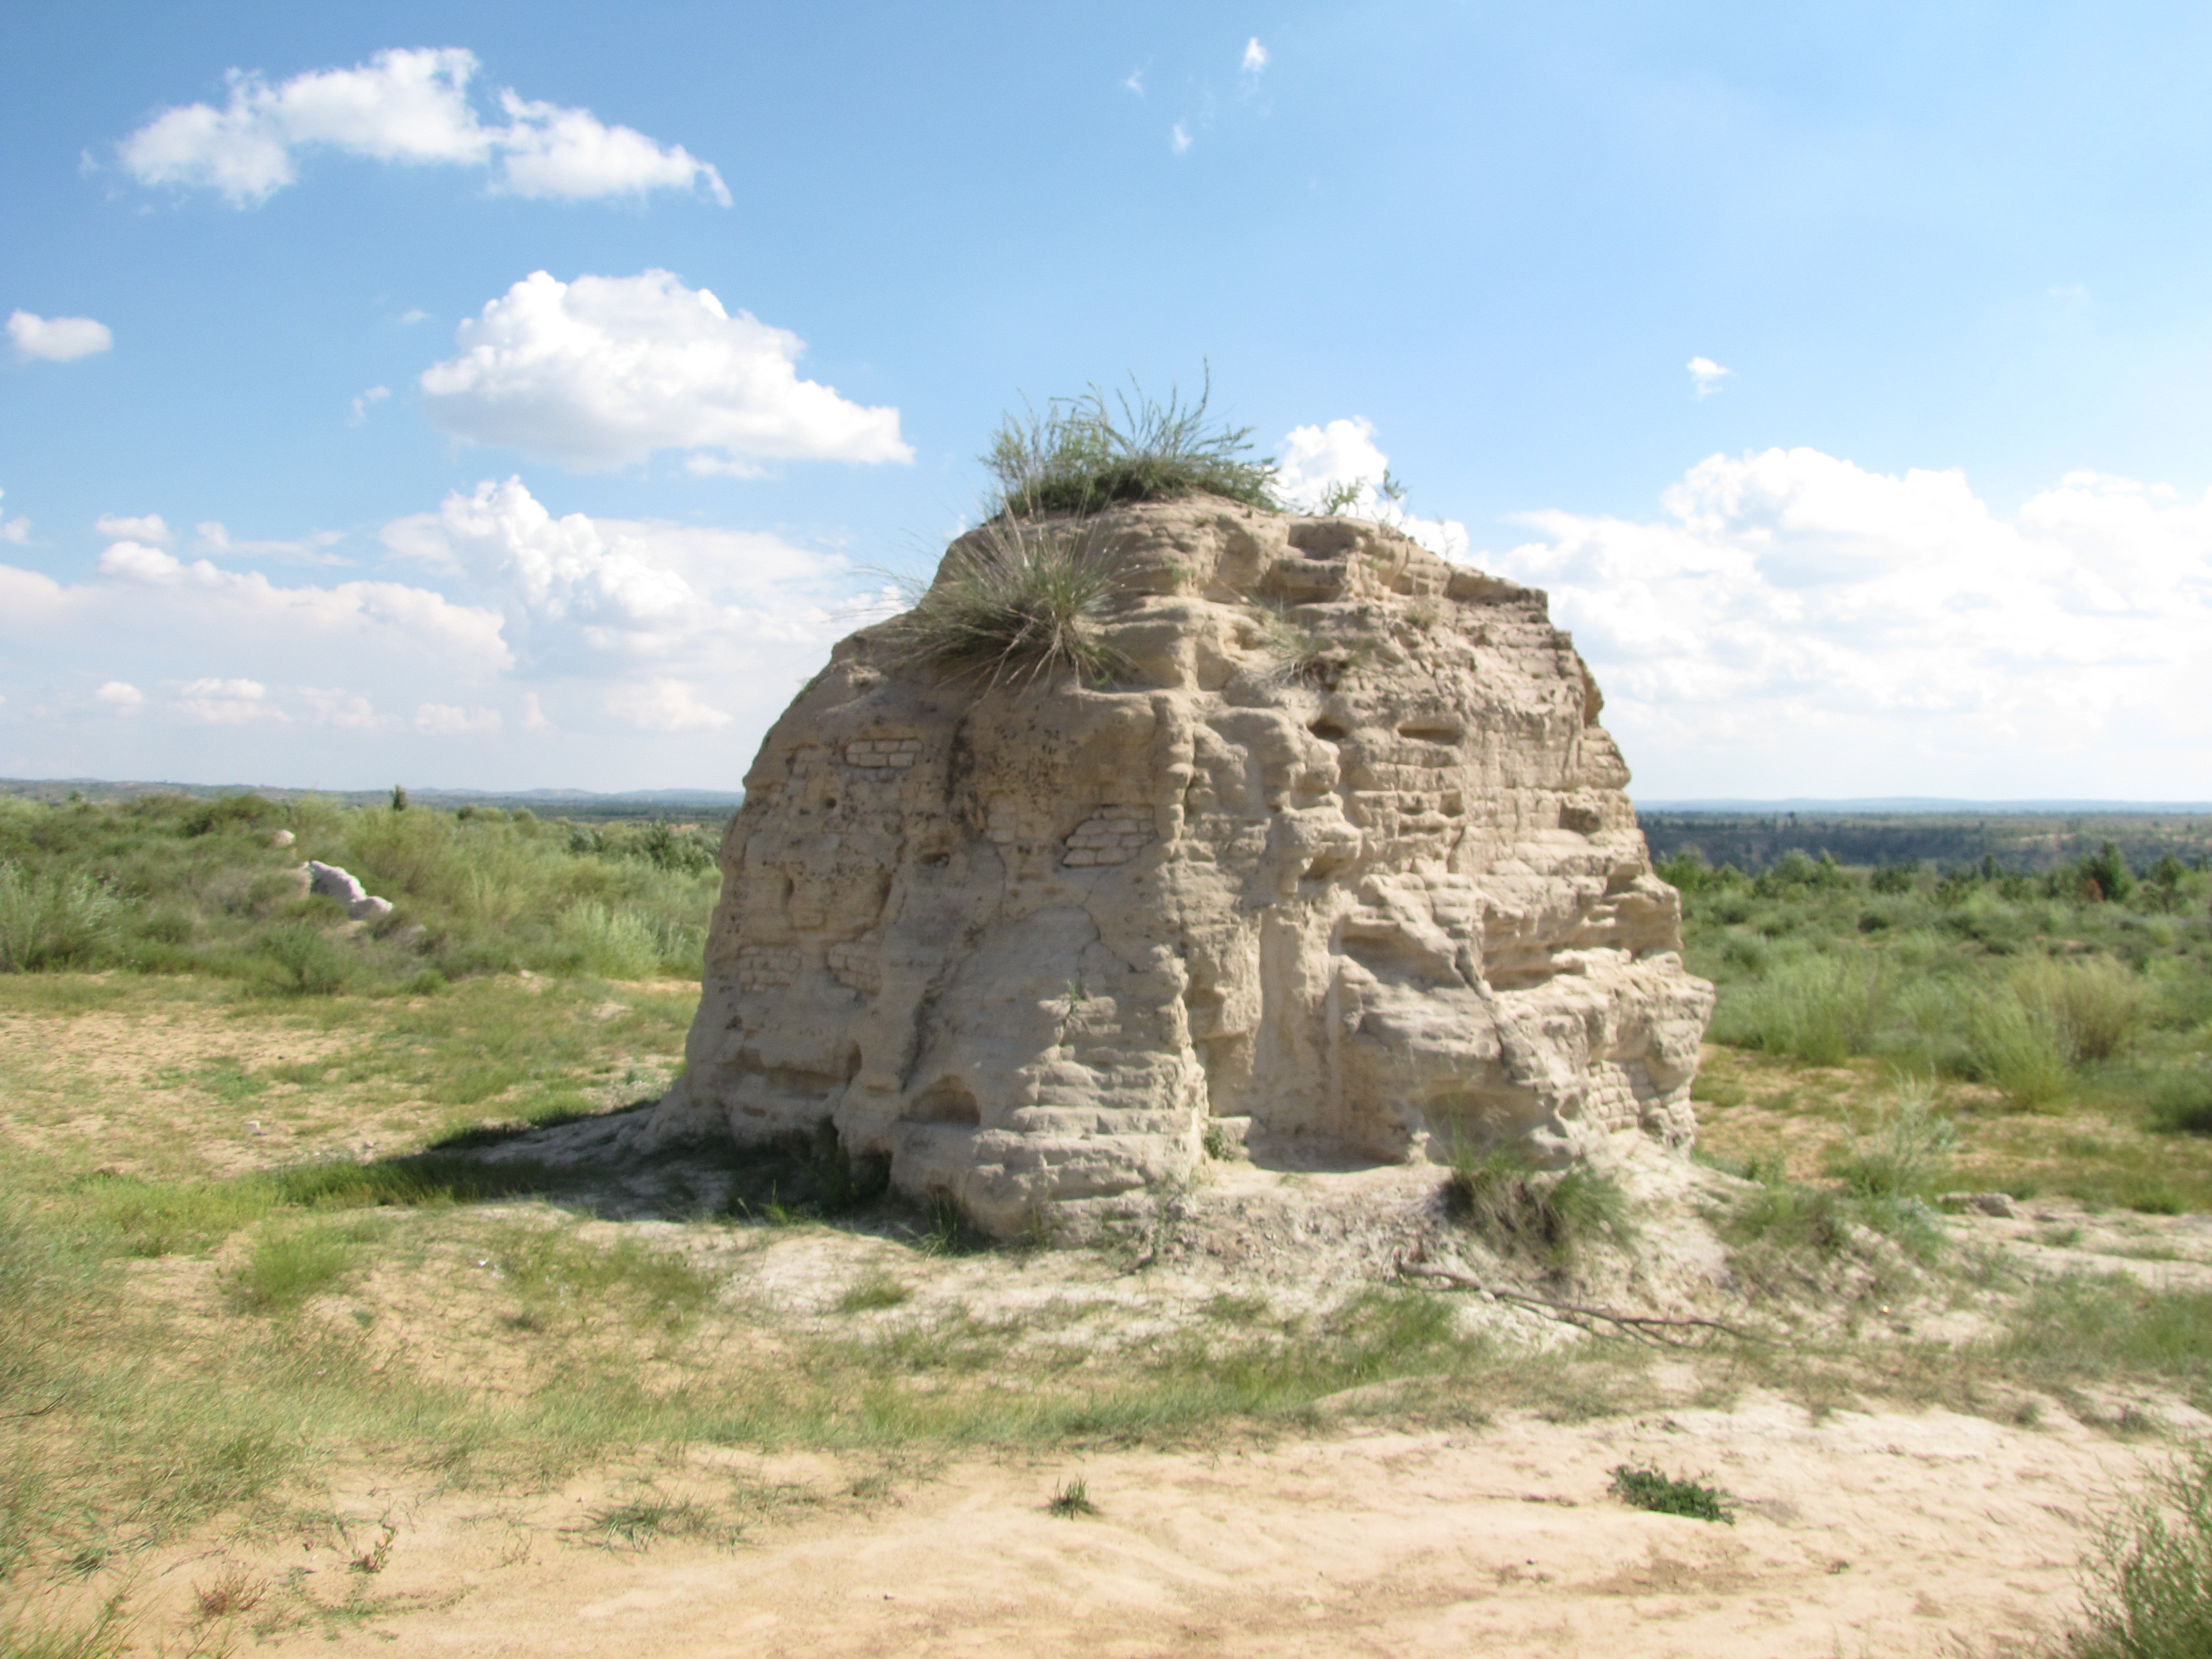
(1367, 894)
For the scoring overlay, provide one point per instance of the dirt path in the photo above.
(1872, 1534)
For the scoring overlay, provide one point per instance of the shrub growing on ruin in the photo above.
(1018, 602)
(1085, 454)
(1516, 1208)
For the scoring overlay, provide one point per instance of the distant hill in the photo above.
(563, 803)
(2023, 835)
(1887, 805)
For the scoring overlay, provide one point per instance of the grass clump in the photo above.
(1516, 1208)
(1072, 1500)
(1015, 601)
(875, 1293)
(1084, 453)
(2149, 1589)
(1666, 1494)
(291, 1265)
(640, 1522)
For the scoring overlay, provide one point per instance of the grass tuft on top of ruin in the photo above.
(1087, 453)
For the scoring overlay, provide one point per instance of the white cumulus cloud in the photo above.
(375, 394)
(58, 339)
(600, 651)
(634, 617)
(447, 720)
(402, 106)
(1255, 59)
(601, 373)
(1793, 625)
(146, 527)
(1707, 376)
(1339, 467)
(1179, 138)
(310, 548)
(227, 703)
(666, 705)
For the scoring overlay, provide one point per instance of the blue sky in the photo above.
(1940, 527)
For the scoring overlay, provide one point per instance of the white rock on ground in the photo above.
(335, 883)
(1365, 895)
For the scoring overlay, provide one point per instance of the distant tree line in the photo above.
(2028, 844)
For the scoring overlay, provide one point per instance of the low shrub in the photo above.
(2148, 1594)
(1792, 1218)
(1666, 1494)
(2094, 1006)
(606, 940)
(1820, 1009)
(1906, 1153)
(306, 960)
(2180, 1102)
(55, 918)
(2017, 1046)
(289, 1265)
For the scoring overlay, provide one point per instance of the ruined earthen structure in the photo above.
(1338, 867)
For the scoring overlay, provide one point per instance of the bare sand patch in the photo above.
(1866, 1533)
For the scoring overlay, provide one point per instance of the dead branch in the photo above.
(1647, 1326)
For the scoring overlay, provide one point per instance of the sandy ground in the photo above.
(1889, 1533)
(1859, 1534)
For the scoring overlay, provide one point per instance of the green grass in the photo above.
(289, 1265)
(640, 1522)
(873, 1293)
(1087, 453)
(2037, 996)
(170, 885)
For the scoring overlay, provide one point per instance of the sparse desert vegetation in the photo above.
(259, 1242)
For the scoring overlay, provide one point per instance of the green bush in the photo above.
(2180, 1100)
(2093, 1006)
(1665, 1494)
(307, 961)
(290, 1264)
(1820, 1009)
(1080, 456)
(59, 919)
(2150, 1589)
(1791, 1219)
(615, 943)
(2018, 1047)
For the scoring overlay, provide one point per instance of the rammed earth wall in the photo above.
(1340, 864)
